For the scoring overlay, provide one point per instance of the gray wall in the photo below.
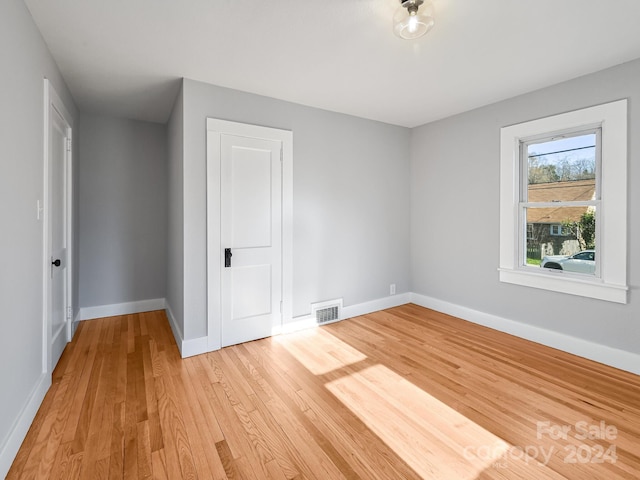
(123, 210)
(26, 62)
(175, 233)
(455, 213)
(350, 200)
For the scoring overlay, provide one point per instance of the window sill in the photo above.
(571, 285)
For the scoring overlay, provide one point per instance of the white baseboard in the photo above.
(391, 301)
(195, 346)
(188, 348)
(128, 308)
(583, 348)
(306, 321)
(21, 425)
(297, 323)
(177, 333)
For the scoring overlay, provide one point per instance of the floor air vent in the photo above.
(326, 312)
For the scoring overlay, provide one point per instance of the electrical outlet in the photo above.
(392, 289)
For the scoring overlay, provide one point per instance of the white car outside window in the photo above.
(581, 262)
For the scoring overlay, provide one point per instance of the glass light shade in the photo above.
(408, 24)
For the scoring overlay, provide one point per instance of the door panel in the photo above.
(252, 291)
(251, 199)
(59, 134)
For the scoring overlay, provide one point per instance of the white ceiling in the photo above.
(123, 57)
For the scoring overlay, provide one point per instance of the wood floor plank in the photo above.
(97, 442)
(404, 393)
(145, 461)
(189, 408)
(81, 402)
(159, 464)
(48, 452)
(236, 440)
(177, 450)
(65, 463)
(130, 461)
(205, 420)
(116, 463)
(226, 457)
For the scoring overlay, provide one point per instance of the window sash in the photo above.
(524, 204)
(522, 250)
(523, 165)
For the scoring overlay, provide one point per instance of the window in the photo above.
(530, 230)
(556, 230)
(562, 192)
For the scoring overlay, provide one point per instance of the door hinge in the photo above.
(280, 306)
(68, 144)
(281, 155)
(69, 313)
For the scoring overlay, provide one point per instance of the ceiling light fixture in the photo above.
(413, 18)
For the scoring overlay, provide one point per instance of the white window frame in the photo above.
(611, 284)
(555, 230)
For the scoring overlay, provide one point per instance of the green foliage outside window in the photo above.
(584, 230)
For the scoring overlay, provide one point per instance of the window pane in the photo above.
(561, 232)
(562, 170)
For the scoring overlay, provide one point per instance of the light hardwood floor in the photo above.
(402, 393)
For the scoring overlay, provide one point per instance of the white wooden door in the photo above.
(251, 236)
(59, 156)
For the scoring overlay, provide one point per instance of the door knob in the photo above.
(227, 257)
(56, 263)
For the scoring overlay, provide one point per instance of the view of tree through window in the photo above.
(560, 201)
(562, 160)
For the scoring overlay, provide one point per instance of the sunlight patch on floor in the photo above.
(434, 439)
(319, 351)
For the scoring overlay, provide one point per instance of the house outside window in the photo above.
(563, 190)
